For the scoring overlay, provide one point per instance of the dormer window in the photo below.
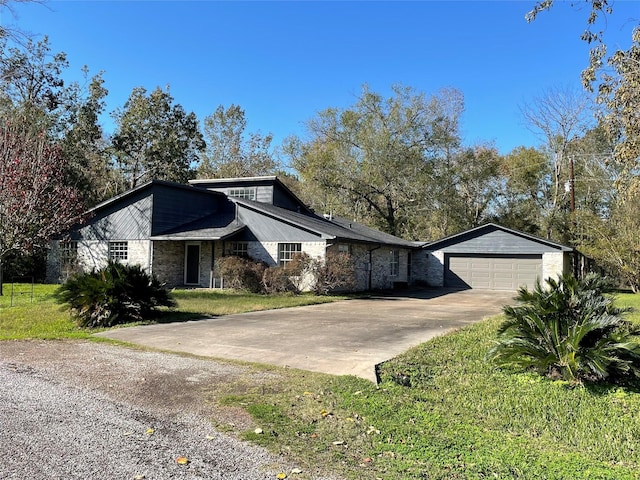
(247, 193)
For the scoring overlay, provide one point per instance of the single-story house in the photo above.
(178, 231)
(496, 258)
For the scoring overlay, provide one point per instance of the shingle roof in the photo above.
(492, 227)
(210, 227)
(335, 228)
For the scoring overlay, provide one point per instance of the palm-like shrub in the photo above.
(113, 295)
(569, 329)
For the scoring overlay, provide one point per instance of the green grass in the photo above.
(459, 418)
(29, 314)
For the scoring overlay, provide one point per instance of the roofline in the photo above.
(143, 186)
(534, 238)
(233, 179)
(272, 178)
(255, 206)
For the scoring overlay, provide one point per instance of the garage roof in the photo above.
(495, 239)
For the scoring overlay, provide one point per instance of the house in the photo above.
(494, 257)
(178, 231)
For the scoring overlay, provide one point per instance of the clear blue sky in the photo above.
(284, 61)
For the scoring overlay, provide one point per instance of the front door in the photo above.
(192, 264)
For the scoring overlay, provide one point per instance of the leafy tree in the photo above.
(85, 147)
(36, 202)
(614, 75)
(373, 161)
(31, 83)
(231, 152)
(613, 240)
(113, 295)
(569, 329)
(155, 139)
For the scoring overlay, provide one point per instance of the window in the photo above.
(68, 252)
(286, 251)
(119, 251)
(238, 249)
(248, 193)
(395, 262)
(344, 248)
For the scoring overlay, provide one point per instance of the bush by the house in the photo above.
(113, 295)
(241, 273)
(571, 330)
(336, 272)
(290, 277)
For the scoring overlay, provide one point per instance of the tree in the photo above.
(615, 76)
(36, 203)
(373, 161)
(230, 151)
(155, 139)
(85, 147)
(568, 329)
(560, 116)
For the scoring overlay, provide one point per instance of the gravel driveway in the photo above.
(82, 410)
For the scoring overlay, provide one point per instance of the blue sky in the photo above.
(284, 61)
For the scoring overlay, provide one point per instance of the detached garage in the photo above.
(494, 258)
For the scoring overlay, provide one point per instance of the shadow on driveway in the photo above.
(342, 338)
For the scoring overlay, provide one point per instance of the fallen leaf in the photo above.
(339, 442)
(296, 470)
(150, 431)
(258, 431)
(281, 476)
(182, 460)
(307, 393)
(210, 437)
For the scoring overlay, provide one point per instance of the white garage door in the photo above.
(501, 272)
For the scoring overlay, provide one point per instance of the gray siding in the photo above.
(131, 222)
(267, 229)
(174, 207)
(497, 242)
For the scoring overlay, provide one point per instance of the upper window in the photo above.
(68, 252)
(286, 251)
(395, 262)
(238, 249)
(248, 193)
(119, 251)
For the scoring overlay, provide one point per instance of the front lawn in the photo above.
(443, 412)
(32, 313)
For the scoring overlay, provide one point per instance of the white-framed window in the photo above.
(344, 248)
(248, 193)
(286, 251)
(239, 249)
(119, 251)
(394, 262)
(68, 252)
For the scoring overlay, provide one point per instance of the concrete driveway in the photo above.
(342, 338)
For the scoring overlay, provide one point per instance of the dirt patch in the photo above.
(171, 384)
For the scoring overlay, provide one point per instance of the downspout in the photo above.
(371, 265)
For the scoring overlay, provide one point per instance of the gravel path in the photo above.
(81, 410)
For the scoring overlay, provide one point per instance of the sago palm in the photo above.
(568, 329)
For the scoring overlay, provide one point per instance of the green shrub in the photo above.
(113, 295)
(241, 273)
(569, 330)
